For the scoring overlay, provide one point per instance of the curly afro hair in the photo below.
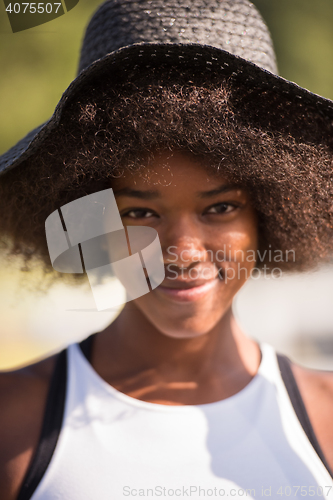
(263, 142)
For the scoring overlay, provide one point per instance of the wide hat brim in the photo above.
(193, 59)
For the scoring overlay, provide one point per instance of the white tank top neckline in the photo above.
(107, 445)
(162, 407)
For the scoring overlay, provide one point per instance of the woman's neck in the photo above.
(137, 359)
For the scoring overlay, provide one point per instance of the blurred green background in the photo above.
(37, 65)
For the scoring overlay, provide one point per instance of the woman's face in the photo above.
(207, 229)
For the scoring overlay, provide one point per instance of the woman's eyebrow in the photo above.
(150, 195)
(137, 193)
(213, 192)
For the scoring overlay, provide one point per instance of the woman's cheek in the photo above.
(236, 256)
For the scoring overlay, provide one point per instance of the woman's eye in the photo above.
(221, 208)
(138, 213)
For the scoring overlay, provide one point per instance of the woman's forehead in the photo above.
(165, 168)
(172, 172)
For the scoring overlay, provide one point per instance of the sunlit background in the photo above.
(295, 314)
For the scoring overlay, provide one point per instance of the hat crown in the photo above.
(232, 25)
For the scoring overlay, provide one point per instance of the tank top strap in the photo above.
(86, 346)
(277, 368)
(51, 427)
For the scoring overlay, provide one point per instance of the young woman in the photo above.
(226, 162)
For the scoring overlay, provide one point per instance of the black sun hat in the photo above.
(224, 37)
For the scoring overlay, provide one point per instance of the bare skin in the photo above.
(180, 352)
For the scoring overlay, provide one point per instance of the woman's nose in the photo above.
(183, 243)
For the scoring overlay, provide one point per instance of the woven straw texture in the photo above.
(232, 25)
(227, 38)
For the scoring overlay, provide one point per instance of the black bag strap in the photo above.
(299, 407)
(87, 346)
(51, 427)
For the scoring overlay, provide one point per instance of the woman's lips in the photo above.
(188, 292)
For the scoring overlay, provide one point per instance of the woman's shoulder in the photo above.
(317, 382)
(39, 369)
(23, 394)
(21, 383)
(316, 388)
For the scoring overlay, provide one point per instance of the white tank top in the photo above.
(112, 446)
